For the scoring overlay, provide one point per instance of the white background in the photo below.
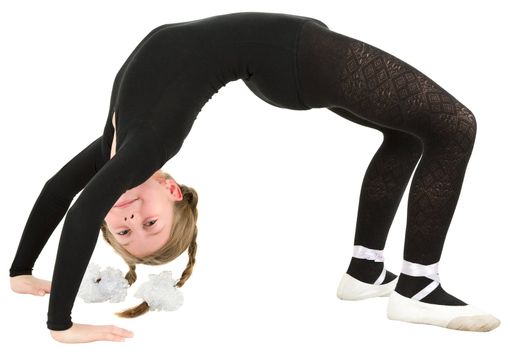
(278, 189)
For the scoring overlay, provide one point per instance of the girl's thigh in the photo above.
(339, 71)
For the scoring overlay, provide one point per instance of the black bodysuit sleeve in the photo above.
(139, 155)
(52, 204)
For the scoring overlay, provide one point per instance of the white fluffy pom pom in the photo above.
(98, 286)
(160, 293)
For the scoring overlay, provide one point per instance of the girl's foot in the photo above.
(28, 284)
(366, 276)
(420, 298)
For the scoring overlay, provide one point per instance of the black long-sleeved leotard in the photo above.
(156, 97)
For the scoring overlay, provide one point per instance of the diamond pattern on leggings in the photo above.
(406, 85)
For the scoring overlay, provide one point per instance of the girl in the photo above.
(289, 61)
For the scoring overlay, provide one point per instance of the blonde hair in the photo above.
(183, 236)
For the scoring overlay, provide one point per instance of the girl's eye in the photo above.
(121, 233)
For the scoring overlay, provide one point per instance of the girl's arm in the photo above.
(52, 203)
(139, 155)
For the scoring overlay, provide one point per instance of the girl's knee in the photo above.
(467, 120)
(456, 125)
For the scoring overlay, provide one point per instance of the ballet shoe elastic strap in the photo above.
(429, 271)
(361, 252)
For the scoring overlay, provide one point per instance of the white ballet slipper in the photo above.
(351, 288)
(459, 317)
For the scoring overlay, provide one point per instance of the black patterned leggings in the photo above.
(416, 116)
